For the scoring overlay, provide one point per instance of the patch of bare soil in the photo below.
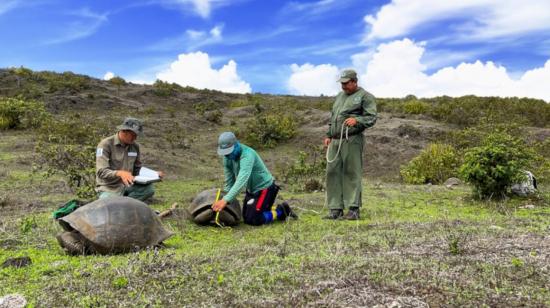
(354, 292)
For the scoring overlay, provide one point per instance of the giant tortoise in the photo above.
(111, 225)
(202, 213)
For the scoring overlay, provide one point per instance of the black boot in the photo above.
(334, 214)
(353, 214)
(287, 211)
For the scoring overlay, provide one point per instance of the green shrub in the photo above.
(67, 147)
(202, 107)
(496, 165)
(266, 131)
(177, 136)
(306, 171)
(118, 82)
(415, 107)
(19, 114)
(474, 136)
(66, 81)
(541, 166)
(165, 89)
(435, 164)
(471, 110)
(214, 116)
(240, 103)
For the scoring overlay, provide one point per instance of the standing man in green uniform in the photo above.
(243, 167)
(118, 160)
(354, 110)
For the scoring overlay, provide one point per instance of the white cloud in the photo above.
(108, 76)
(194, 34)
(216, 32)
(85, 24)
(309, 7)
(313, 80)
(396, 70)
(201, 37)
(195, 70)
(202, 8)
(481, 19)
(8, 5)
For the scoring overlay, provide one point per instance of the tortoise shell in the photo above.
(202, 213)
(117, 224)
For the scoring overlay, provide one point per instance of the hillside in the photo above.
(393, 141)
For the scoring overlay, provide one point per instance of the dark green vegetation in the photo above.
(417, 244)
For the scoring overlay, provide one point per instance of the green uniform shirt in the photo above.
(112, 155)
(359, 105)
(249, 170)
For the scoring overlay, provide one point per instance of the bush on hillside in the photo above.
(67, 147)
(267, 130)
(214, 116)
(435, 164)
(493, 167)
(165, 89)
(416, 107)
(17, 113)
(307, 171)
(473, 136)
(472, 110)
(202, 107)
(118, 82)
(467, 111)
(542, 161)
(66, 81)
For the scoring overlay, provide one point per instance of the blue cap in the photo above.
(226, 143)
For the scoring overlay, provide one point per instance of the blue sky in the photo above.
(399, 47)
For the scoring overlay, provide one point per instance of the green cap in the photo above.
(132, 124)
(226, 143)
(347, 75)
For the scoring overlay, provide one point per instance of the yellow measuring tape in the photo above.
(217, 221)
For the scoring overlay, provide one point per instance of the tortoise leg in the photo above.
(71, 242)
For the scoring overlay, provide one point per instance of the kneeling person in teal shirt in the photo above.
(243, 167)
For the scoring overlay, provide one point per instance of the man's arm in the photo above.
(369, 114)
(102, 157)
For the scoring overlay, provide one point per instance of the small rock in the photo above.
(17, 262)
(528, 206)
(13, 301)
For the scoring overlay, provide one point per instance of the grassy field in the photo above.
(416, 245)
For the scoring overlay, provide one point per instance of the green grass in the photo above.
(414, 243)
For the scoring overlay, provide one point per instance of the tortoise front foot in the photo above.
(71, 242)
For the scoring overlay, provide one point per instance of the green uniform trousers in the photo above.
(136, 191)
(345, 173)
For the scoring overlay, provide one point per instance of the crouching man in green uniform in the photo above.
(243, 167)
(118, 160)
(354, 110)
